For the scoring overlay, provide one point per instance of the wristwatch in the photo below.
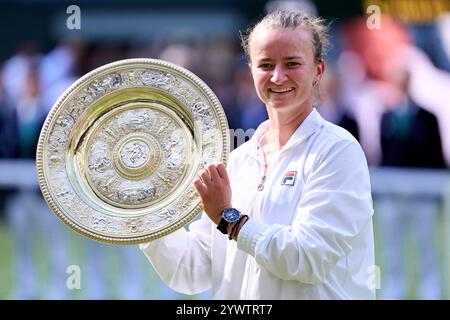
(229, 216)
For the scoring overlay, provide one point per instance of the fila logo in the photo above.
(289, 178)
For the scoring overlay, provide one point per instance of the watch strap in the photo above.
(237, 226)
(223, 226)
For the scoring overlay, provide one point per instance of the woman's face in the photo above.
(283, 68)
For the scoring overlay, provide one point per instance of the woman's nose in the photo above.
(278, 75)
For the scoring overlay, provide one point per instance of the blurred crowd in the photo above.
(389, 87)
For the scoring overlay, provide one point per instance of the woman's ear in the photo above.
(320, 69)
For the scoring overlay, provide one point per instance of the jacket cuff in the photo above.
(249, 235)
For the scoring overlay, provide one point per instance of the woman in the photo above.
(293, 207)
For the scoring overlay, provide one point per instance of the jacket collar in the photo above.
(311, 124)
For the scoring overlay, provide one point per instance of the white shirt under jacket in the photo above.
(312, 240)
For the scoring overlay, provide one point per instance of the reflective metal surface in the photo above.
(120, 148)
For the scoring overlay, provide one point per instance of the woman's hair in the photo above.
(293, 19)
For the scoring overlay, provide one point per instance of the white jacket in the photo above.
(310, 240)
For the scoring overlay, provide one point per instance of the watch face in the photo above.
(231, 215)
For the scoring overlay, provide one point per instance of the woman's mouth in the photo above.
(281, 90)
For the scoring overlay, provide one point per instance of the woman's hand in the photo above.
(214, 188)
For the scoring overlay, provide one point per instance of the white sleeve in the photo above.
(183, 258)
(334, 207)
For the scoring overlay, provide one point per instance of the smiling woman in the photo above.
(285, 53)
(296, 197)
(284, 72)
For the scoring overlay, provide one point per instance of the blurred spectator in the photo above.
(428, 87)
(408, 136)
(7, 125)
(369, 62)
(219, 55)
(16, 69)
(331, 106)
(249, 107)
(59, 68)
(7, 137)
(182, 55)
(26, 210)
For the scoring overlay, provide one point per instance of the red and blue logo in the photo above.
(289, 178)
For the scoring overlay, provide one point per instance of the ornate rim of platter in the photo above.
(119, 150)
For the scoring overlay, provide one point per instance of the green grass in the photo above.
(115, 273)
(6, 267)
(411, 256)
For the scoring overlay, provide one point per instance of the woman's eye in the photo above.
(265, 66)
(292, 64)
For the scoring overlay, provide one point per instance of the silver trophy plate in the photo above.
(120, 149)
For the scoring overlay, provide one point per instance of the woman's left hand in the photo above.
(214, 188)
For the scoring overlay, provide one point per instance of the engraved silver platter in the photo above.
(120, 149)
